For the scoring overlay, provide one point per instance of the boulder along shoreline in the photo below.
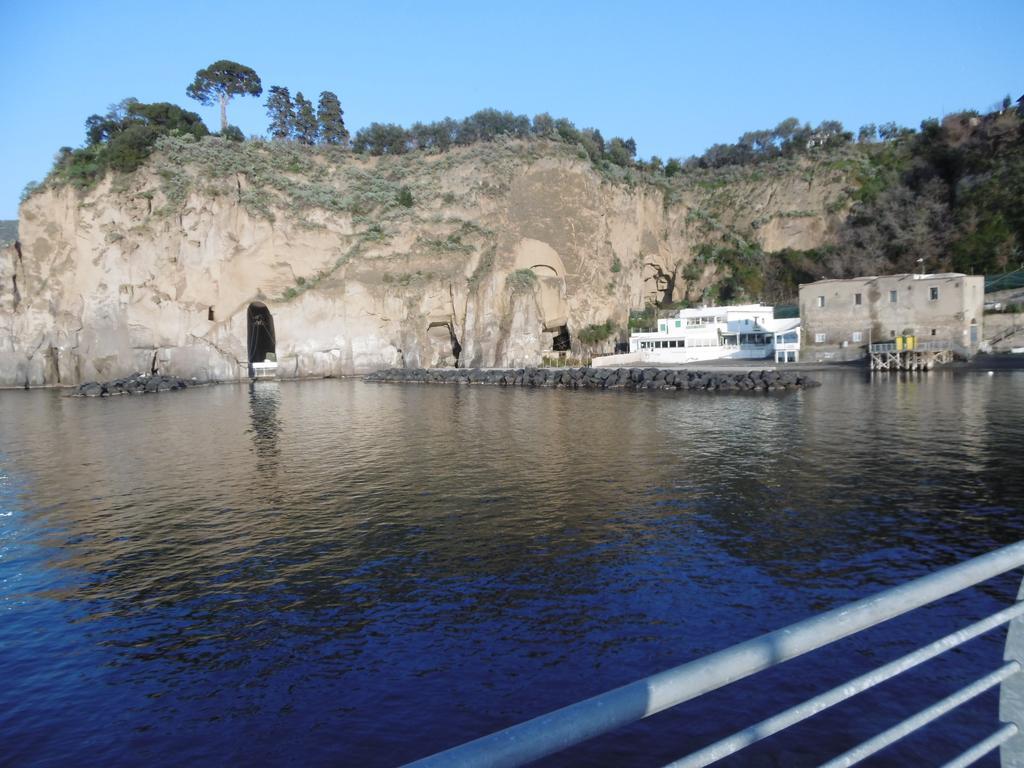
(631, 379)
(136, 384)
(601, 378)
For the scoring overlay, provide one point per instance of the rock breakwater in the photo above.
(600, 378)
(136, 384)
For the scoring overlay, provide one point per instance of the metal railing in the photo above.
(920, 346)
(555, 731)
(933, 345)
(1005, 334)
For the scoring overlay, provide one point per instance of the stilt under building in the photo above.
(905, 353)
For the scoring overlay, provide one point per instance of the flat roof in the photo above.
(701, 311)
(899, 276)
(781, 324)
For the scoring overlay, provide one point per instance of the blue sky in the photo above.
(677, 76)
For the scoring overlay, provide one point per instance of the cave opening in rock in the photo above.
(561, 342)
(260, 336)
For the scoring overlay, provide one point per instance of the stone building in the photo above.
(841, 317)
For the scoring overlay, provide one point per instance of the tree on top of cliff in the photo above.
(307, 130)
(281, 112)
(221, 81)
(332, 123)
(162, 117)
(123, 138)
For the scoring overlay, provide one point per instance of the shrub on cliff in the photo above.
(130, 147)
(594, 334)
(122, 139)
(232, 133)
(382, 139)
(522, 280)
(488, 125)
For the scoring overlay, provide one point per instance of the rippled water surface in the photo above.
(342, 573)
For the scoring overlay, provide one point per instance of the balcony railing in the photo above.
(919, 346)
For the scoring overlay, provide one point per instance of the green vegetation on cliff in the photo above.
(946, 197)
(889, 199)
(121, 140)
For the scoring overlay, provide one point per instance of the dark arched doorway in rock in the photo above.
(260, 337)
(562, 341)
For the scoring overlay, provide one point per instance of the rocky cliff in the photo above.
(493, 254)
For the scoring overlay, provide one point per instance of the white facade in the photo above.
(747, 331)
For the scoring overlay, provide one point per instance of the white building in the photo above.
(747, 331)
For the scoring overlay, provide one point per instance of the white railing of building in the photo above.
(584, 720)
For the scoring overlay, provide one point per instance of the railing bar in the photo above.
(922, 718)
(572, 724)
(772, 725)
(982, 748)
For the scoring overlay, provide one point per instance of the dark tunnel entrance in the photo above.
(261, 339)
(561, 342)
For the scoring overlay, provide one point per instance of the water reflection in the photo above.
(300, 571)
(264, 401)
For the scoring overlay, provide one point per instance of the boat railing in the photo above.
(563, 728)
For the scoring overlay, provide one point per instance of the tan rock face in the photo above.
(158, 269)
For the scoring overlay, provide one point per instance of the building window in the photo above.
(892, 334)
(209, 314)
(857, 336)
(857, 299)
(933, 294)
(821, 301)
(933, 331)
(679, 323)
(819, 338)
(893, 297)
